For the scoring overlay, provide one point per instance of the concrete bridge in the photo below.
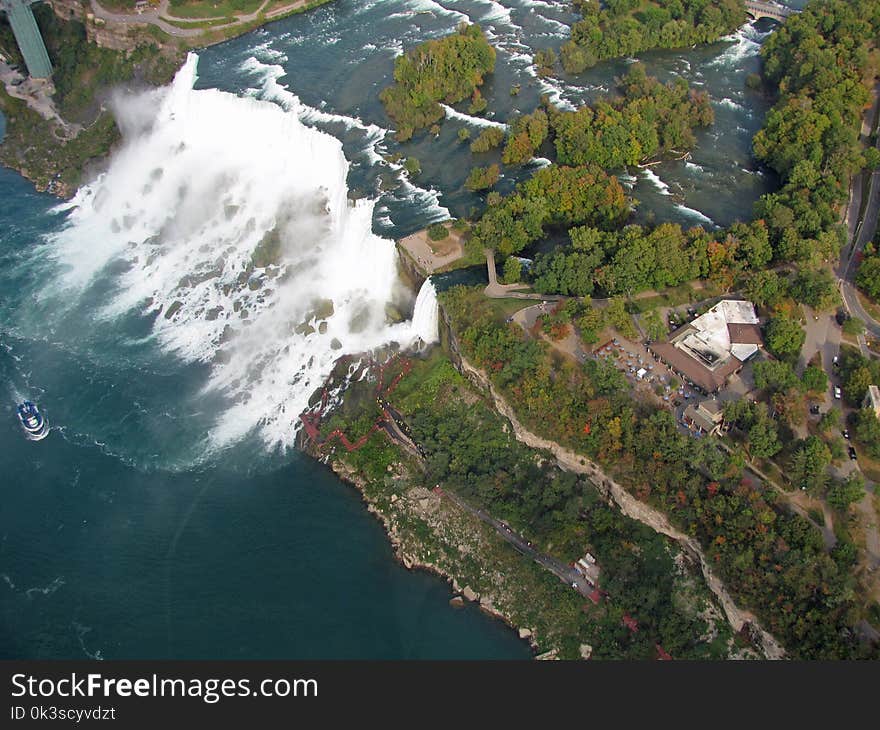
(758, 10)
(27, 35)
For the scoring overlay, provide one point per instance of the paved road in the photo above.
(565, 573)
(155, 16)
(861, 230)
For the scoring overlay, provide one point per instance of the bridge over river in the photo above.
(758, 10)
(28, 37)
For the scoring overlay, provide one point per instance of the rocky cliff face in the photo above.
(69, 9)
(115, 36)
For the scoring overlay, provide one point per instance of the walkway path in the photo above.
(159, 17)
(509, 291)
(37, 94)
(632, 507)
(565, 573)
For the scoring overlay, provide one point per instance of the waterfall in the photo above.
(227, 220)
(424, 319)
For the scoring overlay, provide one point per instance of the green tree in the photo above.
(815, 288)
(774, 375)
(830, 419)
(489, 138)
(867, 431)
(853, 326)
(653, 325)
(843, 493)
(448, 70)
(764, 439)
(814, 380)
(412, 166)
(856, 383)
(809, 465)
(512, 270)
(784, 337)
(482, 178)
(765, 288)
(438, 231)
(868, 276)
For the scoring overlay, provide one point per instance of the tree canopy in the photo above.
(447, 70)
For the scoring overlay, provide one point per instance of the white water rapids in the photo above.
(229, 219)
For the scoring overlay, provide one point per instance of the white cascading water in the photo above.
(230, 218)
(425, 314)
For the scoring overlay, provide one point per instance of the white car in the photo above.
(837, 392)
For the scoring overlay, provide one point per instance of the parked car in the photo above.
(837, 392)
(835, 361)
(846, 434)
(852, 453)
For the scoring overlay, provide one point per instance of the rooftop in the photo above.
(712, 347)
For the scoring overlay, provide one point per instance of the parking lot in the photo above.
(645, 373)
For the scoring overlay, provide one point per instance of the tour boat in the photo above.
(35, 426)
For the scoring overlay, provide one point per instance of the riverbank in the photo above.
(60, 132)
(432, 531)
(444, 518)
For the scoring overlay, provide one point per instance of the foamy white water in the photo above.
(472, 120)
(696, 214)
(746, 41)
(230, 218)
(426, 314)
(655, 180)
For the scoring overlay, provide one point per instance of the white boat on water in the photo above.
(35, 426)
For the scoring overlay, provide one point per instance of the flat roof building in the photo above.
(714, 346)
(706, 416)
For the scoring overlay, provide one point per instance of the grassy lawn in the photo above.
(218, 9)
(199, 24)
(504, 308)
(471, 257)
(870, 467)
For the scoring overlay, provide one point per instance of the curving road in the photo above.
(861, 230)
(159, 16)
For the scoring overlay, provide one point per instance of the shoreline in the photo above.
(460, 595)
(408, 509)
(61, 163)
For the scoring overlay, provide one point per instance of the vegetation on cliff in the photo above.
(84, 75)
(446, 70)
(773, 561)
(471, 452)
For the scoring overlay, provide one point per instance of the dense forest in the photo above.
(446, 70)
(619, 28)
(554, 195)
(775, 562)
(471, 450)
(868, 273)
(650, 118)
(820, 61)
(637, 258)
